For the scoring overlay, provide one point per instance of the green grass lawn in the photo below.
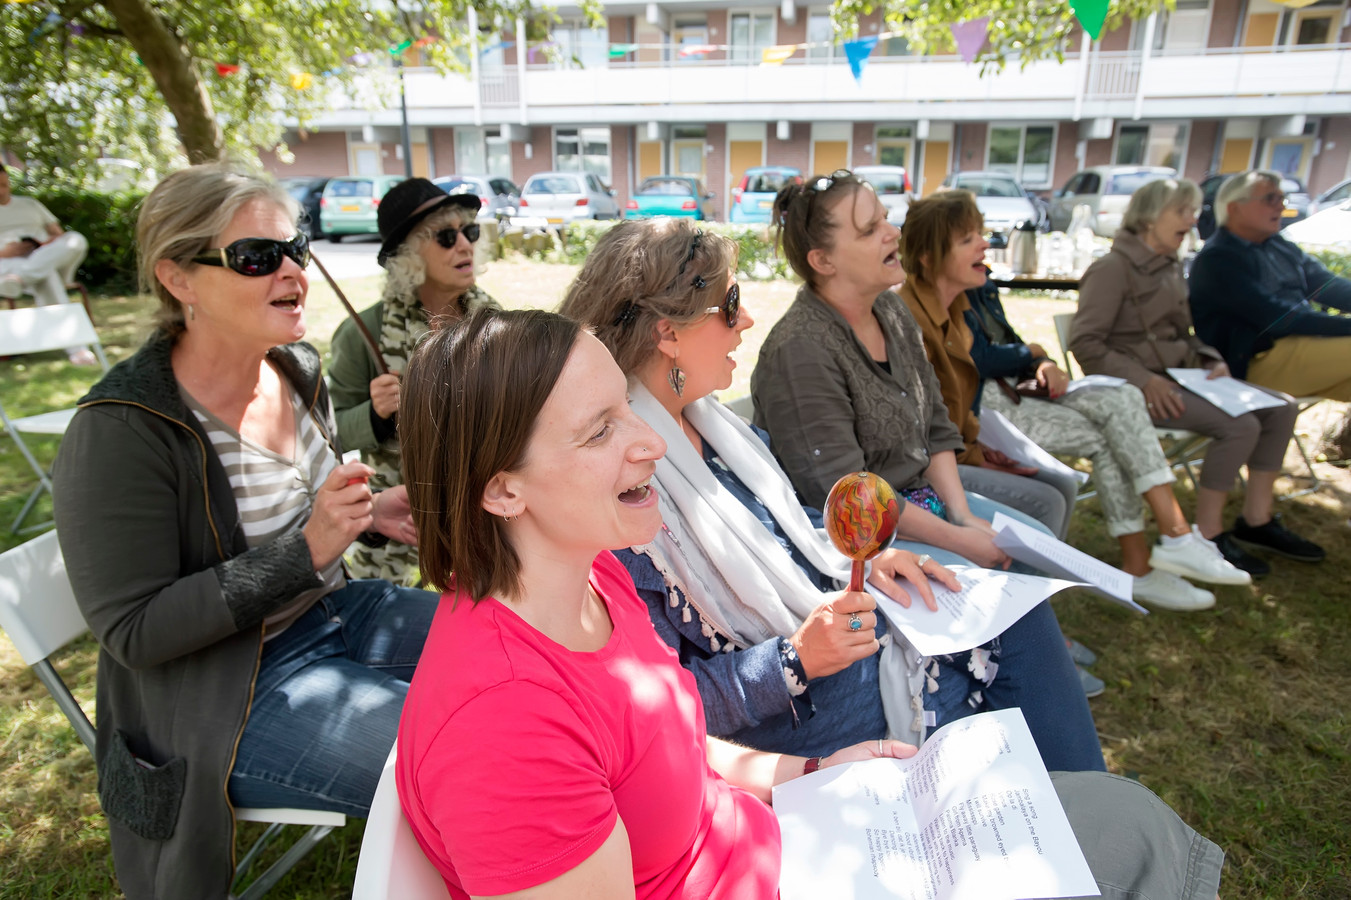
(1235, 716)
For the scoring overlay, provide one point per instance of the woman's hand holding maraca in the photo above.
(828, 642)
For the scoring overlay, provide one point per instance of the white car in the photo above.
(1106, 191)
(892, 184)
(1329, 227)
(559, 197)
(1001, 200)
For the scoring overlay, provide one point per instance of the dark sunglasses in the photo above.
(731, 306)
(256, 257)
(446, 237)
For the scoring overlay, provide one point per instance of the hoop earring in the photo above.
(676, 379)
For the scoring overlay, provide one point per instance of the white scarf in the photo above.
(747, 588)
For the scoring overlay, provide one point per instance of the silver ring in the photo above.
(879, 747)
(855, 623)
(923, 558)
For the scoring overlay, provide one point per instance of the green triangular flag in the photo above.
(1091, 14)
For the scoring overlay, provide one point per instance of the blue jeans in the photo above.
(327, 700)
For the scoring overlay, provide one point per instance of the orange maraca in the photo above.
(861, 516)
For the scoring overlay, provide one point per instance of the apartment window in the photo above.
(893, 46)
(1314, 25)
(690, 32)
(1023, 151)
(583, 150)
(750, 33)
(499, 154)
(820, 34)
(687, 150)
(581, 45)
(894, 144)
(1182, 28)
(1151, 145)
(470, 158)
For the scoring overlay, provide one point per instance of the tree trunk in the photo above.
(169, 62)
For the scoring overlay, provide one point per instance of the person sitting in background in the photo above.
(428, 255)
(1252, 295)
(203, 509)
(34, 251)
(1110, 426)
(739, 582)
(1133, 323)
(551, 747)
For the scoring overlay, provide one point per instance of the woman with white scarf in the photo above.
(741, 583)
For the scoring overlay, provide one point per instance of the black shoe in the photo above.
(1238, 557)
(1277, 538)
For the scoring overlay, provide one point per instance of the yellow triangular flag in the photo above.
(301, 81)
(774, 56)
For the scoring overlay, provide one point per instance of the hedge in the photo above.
(108, 221)
(756, 259)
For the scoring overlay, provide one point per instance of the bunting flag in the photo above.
(1091, 14)
(302, 81)
(225, 70)
(404, 45)
(774, 56)
(1296, 4)
(857, 52)
(618, 50)
(500, 45)
(542, 45)
(47, 25)
(432, 39)
(360, 59)
(691, 50)
(75, 28)
(970, 36)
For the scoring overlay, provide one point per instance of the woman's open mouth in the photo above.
(639, 493)
(290, 304)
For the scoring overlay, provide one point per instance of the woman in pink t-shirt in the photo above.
(551, 744)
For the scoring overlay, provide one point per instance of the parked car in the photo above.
(308, 191)
(1330, 227)
(349, 204)
(1331, 197)
(498, 196)
(1296, 203)
(1106, 190)
(1000, 198)
(892, 184)
(562, 197)
(670, 195)
(753, 198)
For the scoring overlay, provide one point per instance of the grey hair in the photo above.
(1239, 187)
(186, 213)
(406, 270)
(1150, 201)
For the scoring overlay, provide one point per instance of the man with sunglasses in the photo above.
(428, 255)
(1253, 296)
(34, 251)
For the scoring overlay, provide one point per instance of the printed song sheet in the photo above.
(998, 433)
(1042, 551)
(972, 816)
(988, 603)
(1229, 394)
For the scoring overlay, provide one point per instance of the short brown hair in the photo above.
(641, 272)
(801, 221)
(929, 226)
(471, 395)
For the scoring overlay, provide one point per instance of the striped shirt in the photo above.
(274, 494)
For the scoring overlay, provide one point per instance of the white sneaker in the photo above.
(1167, 591)
(1195, 557)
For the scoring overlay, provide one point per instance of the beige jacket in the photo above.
(1133, 319)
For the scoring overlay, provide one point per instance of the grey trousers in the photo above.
(1257, 439)
(1046, 496)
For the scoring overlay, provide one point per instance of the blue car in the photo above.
(753, 199)
(670, 195)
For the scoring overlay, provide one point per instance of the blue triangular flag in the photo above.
(858, 52)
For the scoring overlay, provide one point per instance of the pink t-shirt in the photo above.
(516, 756)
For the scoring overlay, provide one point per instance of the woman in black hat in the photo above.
(428, 254)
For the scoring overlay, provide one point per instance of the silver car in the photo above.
(1106, 191)
(559, 197)
(1001, 200)
(892, 184)
(497, 195)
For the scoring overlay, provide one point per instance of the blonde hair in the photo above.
(641, 272)
(1152, 200)
(186, 213)
(1240, 187)
(406, 270)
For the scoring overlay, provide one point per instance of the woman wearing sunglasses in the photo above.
(428, 255)
(740, 583)
(203, 512)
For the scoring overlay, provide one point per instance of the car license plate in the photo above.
(349, 207)
(1288, 212)
(555, 220)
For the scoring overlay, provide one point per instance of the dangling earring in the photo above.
(676, 378)
(192, 312)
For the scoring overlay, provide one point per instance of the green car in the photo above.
(350, 202)
(670, 195)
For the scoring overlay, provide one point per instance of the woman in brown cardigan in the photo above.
(1133, 322)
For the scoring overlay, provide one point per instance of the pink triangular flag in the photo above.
(970, 36)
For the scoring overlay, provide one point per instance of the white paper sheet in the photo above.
(1229, 394)
(998, 433)
(989, 602)
(1042, 551)
(972, 816)
(1095, 381)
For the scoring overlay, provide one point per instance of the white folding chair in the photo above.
(42, 329)
(1180, 447)
(76, 247)
(1304, 404)
(392, 865)
(39, 613)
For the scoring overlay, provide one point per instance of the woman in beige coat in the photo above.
(1134, 322)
